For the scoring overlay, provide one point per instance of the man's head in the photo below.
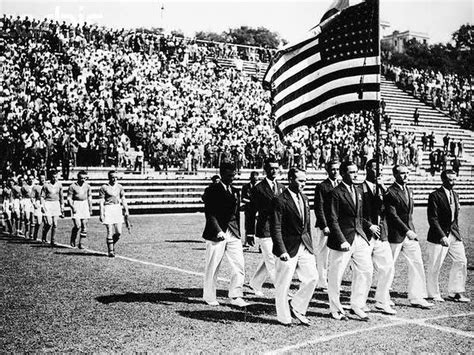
(371, 171)
(227, 172)
(253, 177)
(332, 168)
(112, 174)
(42, 178)
(400, 172)
(296, 179)
(21, 180)
(271, 168)
(53, 175)
(215, 179)
(348, 171)
(29, 179)
(81, 176)
(448, 177)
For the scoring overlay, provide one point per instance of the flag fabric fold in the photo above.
(336, 71)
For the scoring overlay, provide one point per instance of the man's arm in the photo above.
(336, 232)
(211, 208)
(275, 228)
(392, 215)
(433, 218)
(319, 207)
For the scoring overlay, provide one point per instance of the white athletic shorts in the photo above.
(16, 206)
(27, 206)
(113, 214)
(82, 209)
(52, 208)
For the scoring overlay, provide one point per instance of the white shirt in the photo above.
(450, 196)
(271, 183)
(351, 189)
(371, 186)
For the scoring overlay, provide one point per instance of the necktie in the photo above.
(275, 188)
(353, 195)
(407, 195)
(301, 206)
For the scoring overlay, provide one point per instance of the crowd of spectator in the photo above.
(448, 92)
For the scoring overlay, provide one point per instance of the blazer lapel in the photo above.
(402, 196)
(268, 190)
(445, 200)
(292, 205)
(348, 197)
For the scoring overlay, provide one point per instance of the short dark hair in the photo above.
(82, 172)
(445, 173)
(330, 163)
(253, 174)
(397, 167)
(344, 167)
(111, 172)
(370, 162)
(293, 171)
(226, 165)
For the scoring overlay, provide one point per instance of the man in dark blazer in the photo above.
(444, 238)
(322, 208)
(373, 190)
(290, 229)
(262, 196)
(249, 212)
(222, 235)
(403, 239)
(347, 242)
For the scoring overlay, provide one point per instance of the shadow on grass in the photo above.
(78, 253)
(224, 317)
(199, 248)
(185, 241)
(47, 245)
(164, 298)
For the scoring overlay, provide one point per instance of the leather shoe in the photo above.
(212, 303)
(360, 314)
(421, 303)
(339, 315)
(385, 309)
(438, 299)
(459, 298)
(239, 302)
(301, 317)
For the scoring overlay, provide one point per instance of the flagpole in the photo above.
(377, 123)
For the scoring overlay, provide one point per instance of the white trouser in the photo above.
(232, 248)
(362, 269)
(411, 250)
(383, 262)
(458, 274)
(303, 264)
(266, 266)
(321, 253)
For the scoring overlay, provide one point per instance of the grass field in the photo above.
(149, 299)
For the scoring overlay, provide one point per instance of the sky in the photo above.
(291, 19)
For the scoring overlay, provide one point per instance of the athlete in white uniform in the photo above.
(27, 206)
(52, 205)
(16, 204)
(112, 200)
(79, 198)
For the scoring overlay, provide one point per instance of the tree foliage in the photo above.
(438, 57)
(259, 37)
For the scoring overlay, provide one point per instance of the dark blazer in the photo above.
(399, 212)
(440, 216)
(322, 205)
(222, 211)
(261, 201)
(346, 218)
(374, 211)
(287, 228)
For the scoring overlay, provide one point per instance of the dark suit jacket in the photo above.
(399, 213)
(222, 211)
(374, 211)
(440, 216)
(322, 205)
(287, 228)
(261, 201)
(346, 218)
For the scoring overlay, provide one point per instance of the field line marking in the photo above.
(149, 263)
(397, 321)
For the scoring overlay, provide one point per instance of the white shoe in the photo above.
(391, 303)
(458, 297)
(256, 292)
(421, 303)
(212, 303)
(366, 309)
(385, 309)
(438, 299)
(239, 302)
(360, 314)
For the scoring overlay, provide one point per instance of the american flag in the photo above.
(336, 71)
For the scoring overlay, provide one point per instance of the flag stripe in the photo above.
(329, 96)
(346, 104)
(314, 90)
(305, 82)
(310, 63)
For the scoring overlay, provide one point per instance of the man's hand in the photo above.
(345, 246)
(101, 218)
(375, 229)
(326, 230)
(411, 235)
(284, 257)
(220, 236)
(445, 242)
